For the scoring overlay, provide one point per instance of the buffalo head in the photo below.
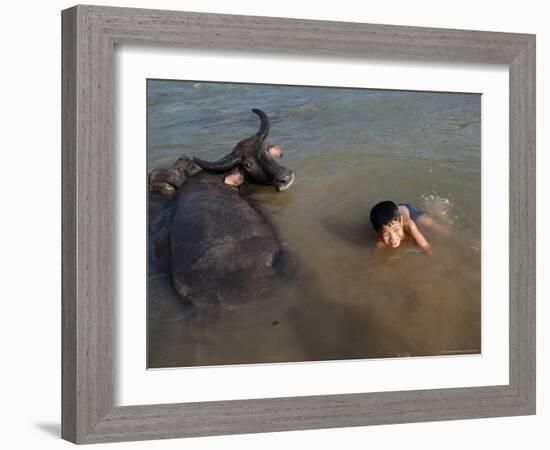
(252, 160)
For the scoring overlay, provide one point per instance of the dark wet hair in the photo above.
(384, 213)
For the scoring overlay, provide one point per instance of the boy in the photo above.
(395, 223)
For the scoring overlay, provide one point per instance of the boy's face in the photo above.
(393, 233)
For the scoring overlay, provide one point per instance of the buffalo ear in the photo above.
(275, 151)
(222, 165)
(235, 178)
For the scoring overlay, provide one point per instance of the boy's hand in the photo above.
(428, 249)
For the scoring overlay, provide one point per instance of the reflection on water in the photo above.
(349, 150)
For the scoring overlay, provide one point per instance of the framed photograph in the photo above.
(278, 224)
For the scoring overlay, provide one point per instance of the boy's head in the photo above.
(388, 223)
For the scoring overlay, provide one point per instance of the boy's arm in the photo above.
(419, 238)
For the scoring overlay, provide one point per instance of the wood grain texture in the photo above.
(68, 224)
(88, 207)
(89, 37)
(523, 224)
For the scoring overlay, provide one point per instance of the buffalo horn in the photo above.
(222, 165)
(264, 126)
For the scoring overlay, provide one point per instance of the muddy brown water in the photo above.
(349, 149)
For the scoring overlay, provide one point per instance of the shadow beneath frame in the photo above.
(53, 429)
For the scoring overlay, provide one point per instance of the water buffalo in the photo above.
(219, 248)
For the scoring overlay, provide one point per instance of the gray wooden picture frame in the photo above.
(90, 34)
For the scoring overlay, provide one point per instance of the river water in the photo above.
(349, 149)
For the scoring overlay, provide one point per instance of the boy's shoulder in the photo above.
(404, 211)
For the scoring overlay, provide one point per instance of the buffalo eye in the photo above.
(247, 164)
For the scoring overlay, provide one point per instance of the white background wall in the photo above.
(30, 211)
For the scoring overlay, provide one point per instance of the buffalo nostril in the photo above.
(284, 178)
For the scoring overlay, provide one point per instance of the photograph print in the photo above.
(301, 223)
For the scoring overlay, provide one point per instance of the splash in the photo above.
(439, 207)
